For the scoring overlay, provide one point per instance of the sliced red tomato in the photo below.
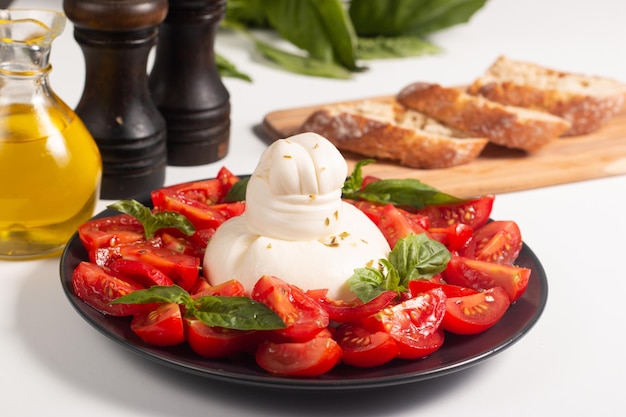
(176, 241)
(309, 358)
(473, 314)
(342, 311)
(303, 316)
(395, 225)
(498, 241)
(418, 286)
(218, 342)
(474, 212)
(364, 348)
(110, 231)
(227, 179)
(180, 268)
(208, 192)
(483, 275)
(455, 237)
(232, 288)
(161, 326)
(413, 323)
(96, 287)
(139, 272)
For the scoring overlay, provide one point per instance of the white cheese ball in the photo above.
(295, 226)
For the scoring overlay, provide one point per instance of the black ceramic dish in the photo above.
(457, 353)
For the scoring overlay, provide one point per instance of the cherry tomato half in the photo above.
(139, 272)
(483, 275)
(310, 358)
(109, 231)
(218, 342)
(95, 286)
(413, 323)
(473, 213)
(472, 314)
(497, 241)
(303, 316)
(341, 311)
(418, 286)
(183, 269)
(161, 326)
(364, 348)
(395, 225)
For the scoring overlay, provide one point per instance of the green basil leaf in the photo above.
(302, 65)
(406, 192)
(228, 69)
(156, 294)
(153, 221)
(367, 283)
(320, 27)
(353, 183)
(384, 47)
(418, 257)
(237, 192)
(403, 17)
(240, 313)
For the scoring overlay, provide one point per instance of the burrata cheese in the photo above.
(296, 226)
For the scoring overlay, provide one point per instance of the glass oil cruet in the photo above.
(50, 165)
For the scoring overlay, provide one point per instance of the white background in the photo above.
(572, 361)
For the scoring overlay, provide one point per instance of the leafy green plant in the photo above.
(332, 36)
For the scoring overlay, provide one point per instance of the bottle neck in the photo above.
(18, 59)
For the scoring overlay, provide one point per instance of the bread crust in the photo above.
(509, 126)
(586, 102)
(387, 130)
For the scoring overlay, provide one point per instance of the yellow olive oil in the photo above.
(50, 173)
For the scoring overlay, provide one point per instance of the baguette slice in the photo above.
(513, 127)
(384, 129)
(587, 102)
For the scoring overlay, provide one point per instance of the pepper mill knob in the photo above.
(116, 37)
(186, 85)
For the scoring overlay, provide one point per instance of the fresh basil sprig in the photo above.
(406, 192)
(239, 313)
(414, 257)
(332, 37)
(152, 222)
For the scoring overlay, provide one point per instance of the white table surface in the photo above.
(54, 363)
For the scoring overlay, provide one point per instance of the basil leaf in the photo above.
(152, 222)
(413, 257)
(406, 192)
(302, 65)
(240, 313)
(416, 17)
(353, 183)
(384, 47)
(156, 294)
(418, 257)
(320, 27)
(237, 192)
(228, 69)
(367, 283)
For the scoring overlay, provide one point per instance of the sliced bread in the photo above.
(510, 126)
(387, 130)
(587, 102)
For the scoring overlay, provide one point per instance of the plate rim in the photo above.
(74, 252)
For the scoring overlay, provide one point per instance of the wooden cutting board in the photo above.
(497, 170)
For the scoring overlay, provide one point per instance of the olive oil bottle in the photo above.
(50, 165)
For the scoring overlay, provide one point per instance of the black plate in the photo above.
(457, 352)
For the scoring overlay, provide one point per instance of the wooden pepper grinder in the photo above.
(186, 85)
(116, 37)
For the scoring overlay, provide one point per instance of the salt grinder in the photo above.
(116, 37)
(186, 86)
